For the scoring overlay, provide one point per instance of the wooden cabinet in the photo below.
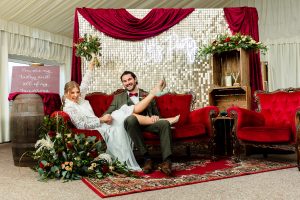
(225, 97)
(231, 64)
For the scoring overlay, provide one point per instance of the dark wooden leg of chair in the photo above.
(298, 154)
(212, 149)
(236, 148)
(238, 152)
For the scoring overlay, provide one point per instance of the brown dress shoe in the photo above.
(166, 168)
(148, 166)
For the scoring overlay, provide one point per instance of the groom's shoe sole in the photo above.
(166, 168)
(148, 166)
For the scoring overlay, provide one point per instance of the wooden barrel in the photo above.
(26, 115)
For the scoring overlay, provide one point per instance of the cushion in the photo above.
(170, 105)
(265, 134)
(99, 102)
(278, 108)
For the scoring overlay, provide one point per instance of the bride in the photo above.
(119, 144)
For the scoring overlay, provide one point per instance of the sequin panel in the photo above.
(170, 54)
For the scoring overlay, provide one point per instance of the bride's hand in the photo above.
(92, 64)
(107, 118)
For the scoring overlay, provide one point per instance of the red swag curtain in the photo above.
(51, 101)
(245, 21)
(120, 24)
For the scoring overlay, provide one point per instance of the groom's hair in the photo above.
(128, 72)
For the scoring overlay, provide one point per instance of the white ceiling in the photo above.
(56, 16)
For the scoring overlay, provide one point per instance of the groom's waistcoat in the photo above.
(123, 98)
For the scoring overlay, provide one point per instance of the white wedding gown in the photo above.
(119, 144)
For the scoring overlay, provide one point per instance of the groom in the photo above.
(131, 96)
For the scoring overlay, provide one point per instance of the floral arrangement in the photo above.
(230, 42)
(64, 155)
(89, 47)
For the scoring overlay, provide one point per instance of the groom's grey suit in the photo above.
(134, 129)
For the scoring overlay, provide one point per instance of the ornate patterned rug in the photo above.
(184, 173)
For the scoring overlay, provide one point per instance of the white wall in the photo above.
(279, 28)
(20, 40)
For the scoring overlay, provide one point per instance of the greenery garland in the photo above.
(230, 42)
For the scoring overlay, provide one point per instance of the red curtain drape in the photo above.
(245, 21)
(120, 24)
(51, 101)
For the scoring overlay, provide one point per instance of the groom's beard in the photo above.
(131, 87)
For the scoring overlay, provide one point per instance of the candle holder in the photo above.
(235, 76)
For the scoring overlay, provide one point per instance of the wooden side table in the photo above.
(222, 127)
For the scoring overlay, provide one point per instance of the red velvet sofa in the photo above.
(275, 123)
(193, 126)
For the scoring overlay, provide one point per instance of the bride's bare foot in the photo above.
(162, 84)
(158, 89)
(173, 120)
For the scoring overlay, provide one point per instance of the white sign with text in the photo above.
(35, 79)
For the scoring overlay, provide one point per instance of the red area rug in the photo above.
(185, 173)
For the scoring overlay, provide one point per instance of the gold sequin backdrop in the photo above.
(170, 54)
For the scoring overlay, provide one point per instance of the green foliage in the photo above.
(62, 154)
(88, 47)
(228, 43)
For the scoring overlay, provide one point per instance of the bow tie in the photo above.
(133, 94)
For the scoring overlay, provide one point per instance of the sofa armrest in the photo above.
(67, 120)
(296, 128)
(245, 118)
(204, 116)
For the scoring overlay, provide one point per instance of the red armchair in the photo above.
(276, 121)
(193, 126)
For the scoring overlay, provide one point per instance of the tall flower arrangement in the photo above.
(231, 42)
(89, 46)
(62, 154)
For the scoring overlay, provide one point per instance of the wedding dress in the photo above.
(119, 144)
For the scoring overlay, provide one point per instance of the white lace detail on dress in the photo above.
(82, 115)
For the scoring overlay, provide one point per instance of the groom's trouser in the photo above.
(160, 127)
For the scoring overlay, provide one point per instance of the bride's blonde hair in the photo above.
(68, 87)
